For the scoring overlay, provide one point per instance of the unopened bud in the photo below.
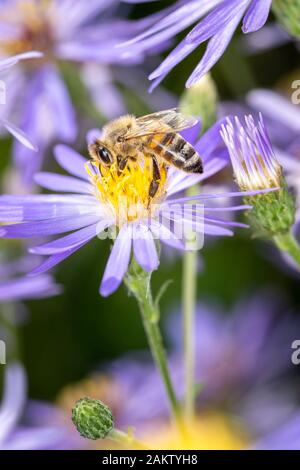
(257, 169)
(288, 14)
(201, 100)
(92, 418)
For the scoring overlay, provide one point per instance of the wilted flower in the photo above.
(218, 22)
(63, 30)
(107, 198)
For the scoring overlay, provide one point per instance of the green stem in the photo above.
(189, 304)
(189, 288)
(287, 243)
(126, 439)
(138, 283)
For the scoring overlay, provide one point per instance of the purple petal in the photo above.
(191, 135)
(71, 161)
(71, 241)
(217, 196)
(215, 49)
(180, 181)
(103, 91)
(41, 207)
(93, 135)
(13, 400)
(215, 21)
(210, 141)
(53, 261)
(177, 20)
(118, 262)
(48, 227)
(19, 135)
(163, 233)
(5, 63)
(181, 51)
(214, 230)
(256, 15)
(24, 288)
(68, 184)
(38, 438)
(144, 248)
(60, 105)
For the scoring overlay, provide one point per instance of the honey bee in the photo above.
(154, 136)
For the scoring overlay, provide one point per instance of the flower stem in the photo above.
(189, 301)
(126, 439)
(189, 292)
(287, 243)
(138, 282)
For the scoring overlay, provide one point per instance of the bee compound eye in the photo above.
(104, 155)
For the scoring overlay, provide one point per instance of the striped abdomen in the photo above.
(177, 151)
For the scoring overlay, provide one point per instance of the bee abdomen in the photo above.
(184, 155)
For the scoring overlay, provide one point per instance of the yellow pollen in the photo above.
(126, 192)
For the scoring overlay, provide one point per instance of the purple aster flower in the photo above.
(14, 286)
(218, 22)
(17, 432)
(284, 129)
(15, 131)
(63, 30)
(254, 163)
(103, 197)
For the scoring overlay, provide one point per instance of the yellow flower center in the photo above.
(211, 430)
(33, 23)
(126, 192)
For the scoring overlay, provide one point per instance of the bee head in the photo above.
(101, 153)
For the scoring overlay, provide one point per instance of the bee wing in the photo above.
(163, 122)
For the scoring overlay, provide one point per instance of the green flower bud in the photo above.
(288, 14)
(201, 100)
(272, 213)
(92, 418)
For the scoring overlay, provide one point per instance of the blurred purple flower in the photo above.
(241, 359)
(218, 22)
(14, 286)
(96, 206)
(63, 30)
(11, 128)
(15, 432)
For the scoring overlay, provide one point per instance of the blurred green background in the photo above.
(66, 337)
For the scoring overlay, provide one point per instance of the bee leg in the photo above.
(122, 162)
(156, 179)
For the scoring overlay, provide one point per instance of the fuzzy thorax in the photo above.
(126, 193)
